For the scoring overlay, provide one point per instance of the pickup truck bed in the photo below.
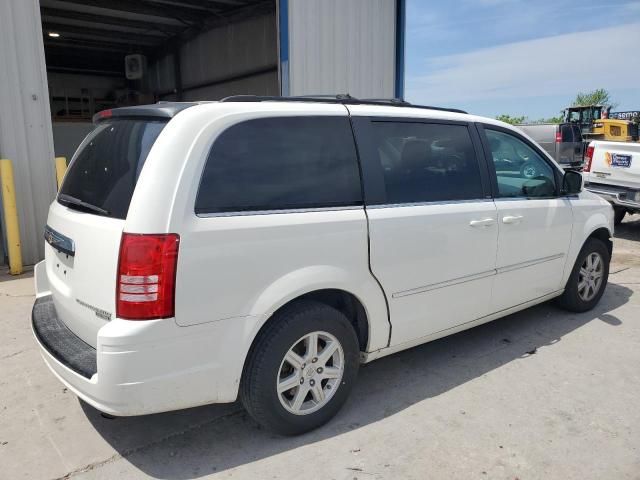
(612, 170)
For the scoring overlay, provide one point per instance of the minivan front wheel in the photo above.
(588, 278)
(301, 369)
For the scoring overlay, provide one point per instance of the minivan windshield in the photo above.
(104, 172)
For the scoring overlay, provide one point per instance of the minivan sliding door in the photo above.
(432, 223)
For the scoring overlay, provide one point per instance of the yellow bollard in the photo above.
(11, 217)
(61, 168)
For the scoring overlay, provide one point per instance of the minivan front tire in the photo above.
(301, 369)
(588, 278)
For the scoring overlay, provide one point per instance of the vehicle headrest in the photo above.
(495, 143)
(414, 154)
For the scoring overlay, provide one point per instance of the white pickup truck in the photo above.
(612, 170)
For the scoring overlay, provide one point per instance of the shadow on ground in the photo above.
(196, 442)
(629, 229)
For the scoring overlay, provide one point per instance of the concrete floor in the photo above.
(537, 395)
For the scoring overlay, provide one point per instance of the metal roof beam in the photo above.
(108, 20)
(86, 44)
(142, 7)
(85, 71)
(99, 33)
(201, 5)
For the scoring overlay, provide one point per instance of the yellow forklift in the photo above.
(596, 124)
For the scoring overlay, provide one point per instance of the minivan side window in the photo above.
(427, 162)
(281, 163)
(520, 170)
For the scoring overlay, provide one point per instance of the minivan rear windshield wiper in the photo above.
(69, 200)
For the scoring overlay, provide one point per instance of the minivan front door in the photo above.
(534, 223)
(432, 229)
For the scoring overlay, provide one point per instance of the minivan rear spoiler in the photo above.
(158, 110)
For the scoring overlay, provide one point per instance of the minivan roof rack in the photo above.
(343, 98)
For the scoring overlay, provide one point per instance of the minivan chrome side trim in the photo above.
(447, 283)
(244, 213)
(367, 357)
(529, 263)
(335, 209)
(476, 276)
(520, 198)
(425, 204)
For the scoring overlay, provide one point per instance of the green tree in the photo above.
(510, 119)
(556, 119)
(596, 97)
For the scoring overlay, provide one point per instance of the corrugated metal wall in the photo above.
(237, 58)
(25, 119)
(338, 46)
(333, 46)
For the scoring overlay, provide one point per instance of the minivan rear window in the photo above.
(104, 172)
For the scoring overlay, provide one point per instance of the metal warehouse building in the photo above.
(64, 60)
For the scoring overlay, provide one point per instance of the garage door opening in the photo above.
(104, 54)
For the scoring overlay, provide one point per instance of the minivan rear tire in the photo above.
(264, 367)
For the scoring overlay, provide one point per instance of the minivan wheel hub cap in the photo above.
(590, 276)
(310, 373)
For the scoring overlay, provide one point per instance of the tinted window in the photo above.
(577, 134)
(520, 170)
(281, 163)
(427, 162)
(106, 168)
(568, 133)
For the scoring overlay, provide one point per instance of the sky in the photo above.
(521, 57)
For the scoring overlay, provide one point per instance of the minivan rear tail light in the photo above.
(558, 137)
(588, 157)
(147, 276)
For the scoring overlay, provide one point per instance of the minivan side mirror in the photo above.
(571, 182)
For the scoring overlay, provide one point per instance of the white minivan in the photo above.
(262, 248)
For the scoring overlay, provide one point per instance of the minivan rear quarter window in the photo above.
(103, 175)
(281, 163)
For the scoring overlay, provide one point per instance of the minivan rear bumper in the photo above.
(59, 341)
(140, 367)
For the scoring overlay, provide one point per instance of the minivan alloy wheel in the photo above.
(590, 276)
(310, 373)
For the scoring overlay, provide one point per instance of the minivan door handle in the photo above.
(512, 219)
(485, 222)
